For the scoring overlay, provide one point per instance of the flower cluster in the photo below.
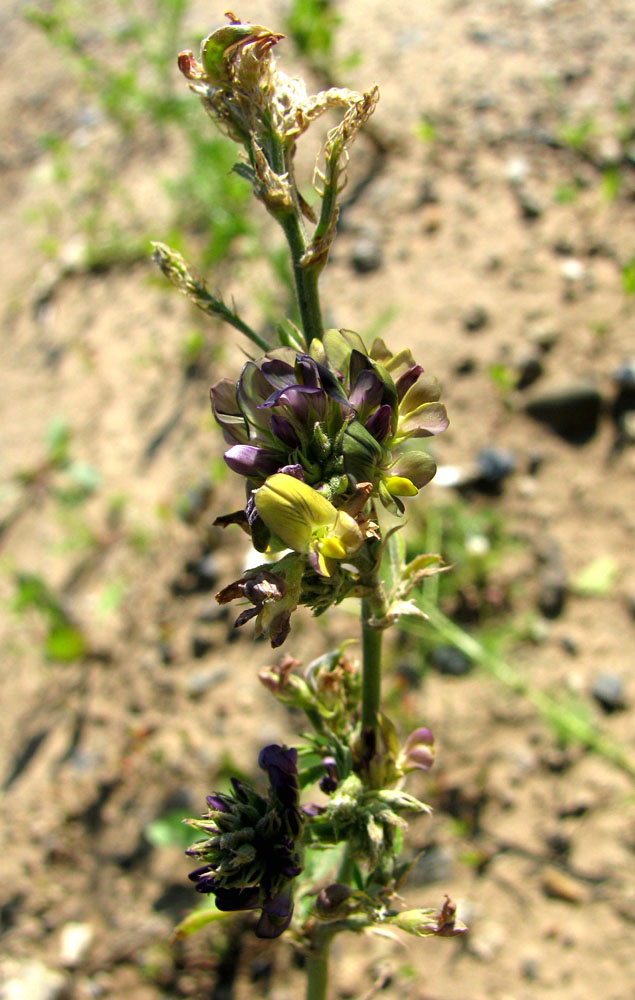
(318, 437)
(249, 855)
(334, 418)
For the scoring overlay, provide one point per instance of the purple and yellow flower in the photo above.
(249, 852)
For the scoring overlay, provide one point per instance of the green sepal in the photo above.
(215, 46)
(362, 453)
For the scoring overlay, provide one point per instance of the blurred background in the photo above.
(489, 225)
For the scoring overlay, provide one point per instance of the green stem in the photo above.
(371, 667)
(345, 867)
(317, 964)
(305, 278)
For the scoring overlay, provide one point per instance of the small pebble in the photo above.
(486, 940)
(558, 885)
(200, 646)
(198, 683)
(494, 464)
(552, 591)
(434, 865)
(624, 376)
(608, 691)
(530, 969)
(544, 336)
(450, 661)
(475, 319)
(530, 207)
(366, 255)
(31, 980)
(75, 942)
(529, 368)
(212, 612)
(466, 366)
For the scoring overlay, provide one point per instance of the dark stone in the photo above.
(559, 844)
(530, 969)
(202, 681)
(434, 865)
(553, 591)
(408, 675)
(535, 460)
(166, 653)
(467, 366)
(608, 691)
(530, 207)
(260, 970)
(569, 645)
(450, 661)
(624, 376)
(366, 255)
(200, 646)
(528, 369)
(213, 612)
(194, 501)
(427, 194)
(475, 319)
(571, 411)
(176, 900)
(493, 465)
(199, 577)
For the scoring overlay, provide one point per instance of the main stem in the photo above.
(317, 964)
(371, 668)
(305, 278)
(306, 281)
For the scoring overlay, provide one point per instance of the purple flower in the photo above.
(249, 858)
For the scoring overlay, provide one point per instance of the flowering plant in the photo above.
(319, 427)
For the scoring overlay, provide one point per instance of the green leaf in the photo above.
(85, 476)
(57, 440)
(597, 578)
(169, 831)
(65, 643)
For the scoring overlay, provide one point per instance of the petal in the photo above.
(378, 424)
(306, 370)
(348, 532)
(252, 389)
(332, 548)
(399, 486)
(426, 389)
(399, 363)
(379, 351)
(249, 460)
(236, 899)
(292, 510)
(405, 381)
(428, 419)
(226, 412)
(278, 373)
(339, 344)
(284, 431)
(417, 466)
(367, 392)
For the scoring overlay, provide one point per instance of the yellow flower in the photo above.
(306, 521)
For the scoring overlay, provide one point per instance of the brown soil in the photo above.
(535, 841)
